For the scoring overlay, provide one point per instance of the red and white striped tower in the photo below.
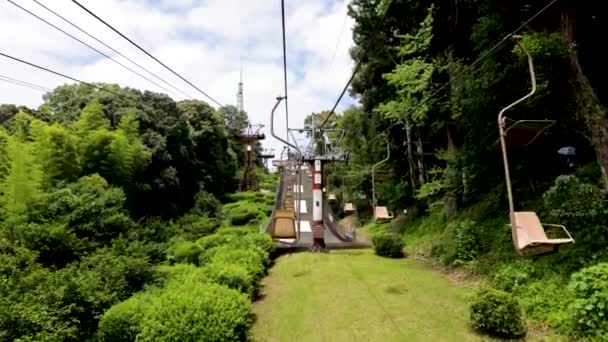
(318, 242)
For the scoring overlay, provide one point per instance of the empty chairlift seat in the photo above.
(530, 235)
(284, 224)
(331, 197)
(382, 214)
(349, 207)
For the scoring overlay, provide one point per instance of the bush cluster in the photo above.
(186, 310)
(512, 277)
(388, 244)
(497, 313)
(206, 303)
(589, 310)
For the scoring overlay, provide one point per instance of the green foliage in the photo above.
(234, 276)
(211, 241)
(194, 311)
(575, 203)
(514, 276)
(468, 238)
(497, 313)
(547, 300)
(21, 186)
(55, 244)
(412, 78)
(589, 309)
(244, 212)
(121, 321)
(185, 252)
(388, 244)
(192, 226)
(205, 204)
(252, 260)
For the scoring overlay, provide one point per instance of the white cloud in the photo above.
(203, 40)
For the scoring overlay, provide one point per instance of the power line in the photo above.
(113, 49)
(24, 84)
(470, 66)
(358, 66)
(285, 68)
(87, 45)
(146, 52)
(63, 75)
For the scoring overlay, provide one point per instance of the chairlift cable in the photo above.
(147, 53)
(87, 45)
(113, 50)
(63, 75)
(24, 84)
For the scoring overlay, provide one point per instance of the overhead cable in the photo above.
(146, 52)
(87, 45)
(358, 65)
(63, 75)
(24, 84)
(114, 50)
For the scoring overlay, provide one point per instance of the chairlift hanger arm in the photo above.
(532, 79)
(388, 155)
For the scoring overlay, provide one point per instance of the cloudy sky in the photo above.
(204, 40)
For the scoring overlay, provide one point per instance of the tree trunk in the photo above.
(420, 155)
(589, 106)
(410, 152)
(452, 177)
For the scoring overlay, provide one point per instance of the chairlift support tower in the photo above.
(247, 137)
(330, 151)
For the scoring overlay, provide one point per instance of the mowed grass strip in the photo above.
(358, 296)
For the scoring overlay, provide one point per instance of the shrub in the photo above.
(234, 231)
(56, 245)
(589, 311)
(185, 252)
(467, 239)
(262, 241)
(513, 276)
(192, 227)
(234, 276)
(122, 321)
(194, 311)
(241, 215)
(546, 300)
(497, 313)
(211, 241)
(205, 204)
(575, 203)
(388, 244)
(253, 261)
(180, 272)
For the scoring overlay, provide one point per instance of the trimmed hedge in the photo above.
(388, 244)
(211, 241)
(253, 260)
(234, 276)
(497, 313)
(193, 311)
(185, 252)
(122, 321)
(186, 310)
